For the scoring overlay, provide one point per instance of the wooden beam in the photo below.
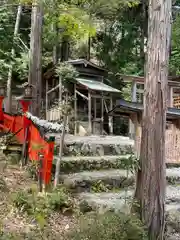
(82, 95)
(106, 108)
(53, 89)
(100, 96)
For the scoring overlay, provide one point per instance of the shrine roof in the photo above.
(126, 108)
(97, 86)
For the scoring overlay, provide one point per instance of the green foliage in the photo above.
(21, 64)
(175, 47)
(39, 206)
(114, 226)
(131, 164)
(99, 186)
(60, 200)
(66, 71)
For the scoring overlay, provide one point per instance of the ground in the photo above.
(12, 221)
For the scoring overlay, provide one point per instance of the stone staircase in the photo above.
(93, 169)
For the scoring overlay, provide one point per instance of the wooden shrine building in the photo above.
(92, 96)
(134, 110)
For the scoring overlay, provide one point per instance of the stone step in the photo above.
(96, 145)
(72, 164)
(108, 179)
(89, 163)
(117, 200)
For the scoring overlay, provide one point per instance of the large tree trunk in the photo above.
(9, 81)
(35, 65)
(151, 179)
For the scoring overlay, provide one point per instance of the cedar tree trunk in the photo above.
(151, 179)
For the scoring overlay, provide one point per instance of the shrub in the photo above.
(31, 203)
(109, 226)
(23, 202)
(60, 200)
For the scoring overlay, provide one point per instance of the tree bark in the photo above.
(35, 56)
(9, 81)
(151, 178)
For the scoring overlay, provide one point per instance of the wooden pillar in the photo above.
(89, 113)
(102, 113)
(134, 99)
(60, 98)
(95, 113)
(136, 120)
(75, 110)
(134, 91)
(60, 89)
(171, 90)
(47, 88)
(111, 118)
(67, 103)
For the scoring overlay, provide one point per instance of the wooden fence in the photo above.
(172, 146)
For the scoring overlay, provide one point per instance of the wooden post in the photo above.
(171, 101)
(95, 114)
(67, 103)
(75, 110)
(111, 118)
(47, 100)
(89, 113)
(137, 138)
(60, 90)
(102, 113)
(134, 90)
(134, 99)
(60, 97)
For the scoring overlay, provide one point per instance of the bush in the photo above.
(31, 203)
(109, 226)
(60, 200)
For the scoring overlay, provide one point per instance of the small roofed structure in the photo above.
(92, 97)
(137, 93)
(134, 110)
(138, 89)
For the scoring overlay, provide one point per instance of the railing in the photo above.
(37, 143)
